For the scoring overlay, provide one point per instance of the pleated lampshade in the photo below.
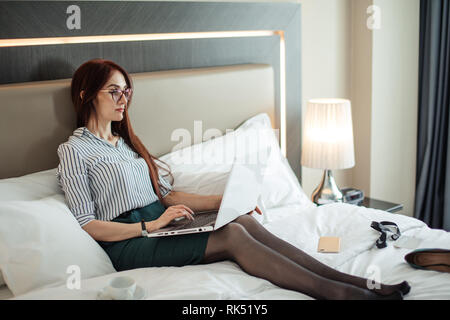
(328, 135)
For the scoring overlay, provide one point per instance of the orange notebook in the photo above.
(329, 244)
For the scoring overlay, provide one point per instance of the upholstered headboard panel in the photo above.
(37, 116)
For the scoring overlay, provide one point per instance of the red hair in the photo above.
(90, 77)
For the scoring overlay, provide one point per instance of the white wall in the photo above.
(361, 74)
(384, 100)
(326, 65)
(395, 67)
(378, 70)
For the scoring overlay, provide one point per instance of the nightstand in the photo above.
(381, 205)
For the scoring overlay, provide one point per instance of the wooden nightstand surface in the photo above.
(381, 205)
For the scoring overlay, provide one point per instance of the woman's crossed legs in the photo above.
(262, 254)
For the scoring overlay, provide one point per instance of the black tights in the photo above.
(262, 254)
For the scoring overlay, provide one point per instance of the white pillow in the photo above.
(32, 186)
(204, 168)
(40, 240)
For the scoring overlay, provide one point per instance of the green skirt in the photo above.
(143, 252)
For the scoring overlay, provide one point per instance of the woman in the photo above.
(112, 183)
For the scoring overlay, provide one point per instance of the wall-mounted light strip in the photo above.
(20, 42)
(283, 115)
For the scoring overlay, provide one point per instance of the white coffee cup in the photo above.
(121, 288)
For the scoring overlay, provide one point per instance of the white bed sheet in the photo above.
(302, 228)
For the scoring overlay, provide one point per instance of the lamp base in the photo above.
(327, 191)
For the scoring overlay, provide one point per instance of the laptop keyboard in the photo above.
(201, 219)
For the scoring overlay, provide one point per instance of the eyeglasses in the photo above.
(117, 94)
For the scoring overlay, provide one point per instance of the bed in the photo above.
(233, 103)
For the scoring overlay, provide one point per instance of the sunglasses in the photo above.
(117, 94)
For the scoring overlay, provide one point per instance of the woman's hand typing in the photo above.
(172, 213)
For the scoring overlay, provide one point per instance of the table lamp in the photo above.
(328, 144)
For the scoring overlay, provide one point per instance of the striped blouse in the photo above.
(101, 181)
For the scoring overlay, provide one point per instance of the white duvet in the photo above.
(302, 228)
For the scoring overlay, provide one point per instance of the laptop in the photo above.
(242, 191)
